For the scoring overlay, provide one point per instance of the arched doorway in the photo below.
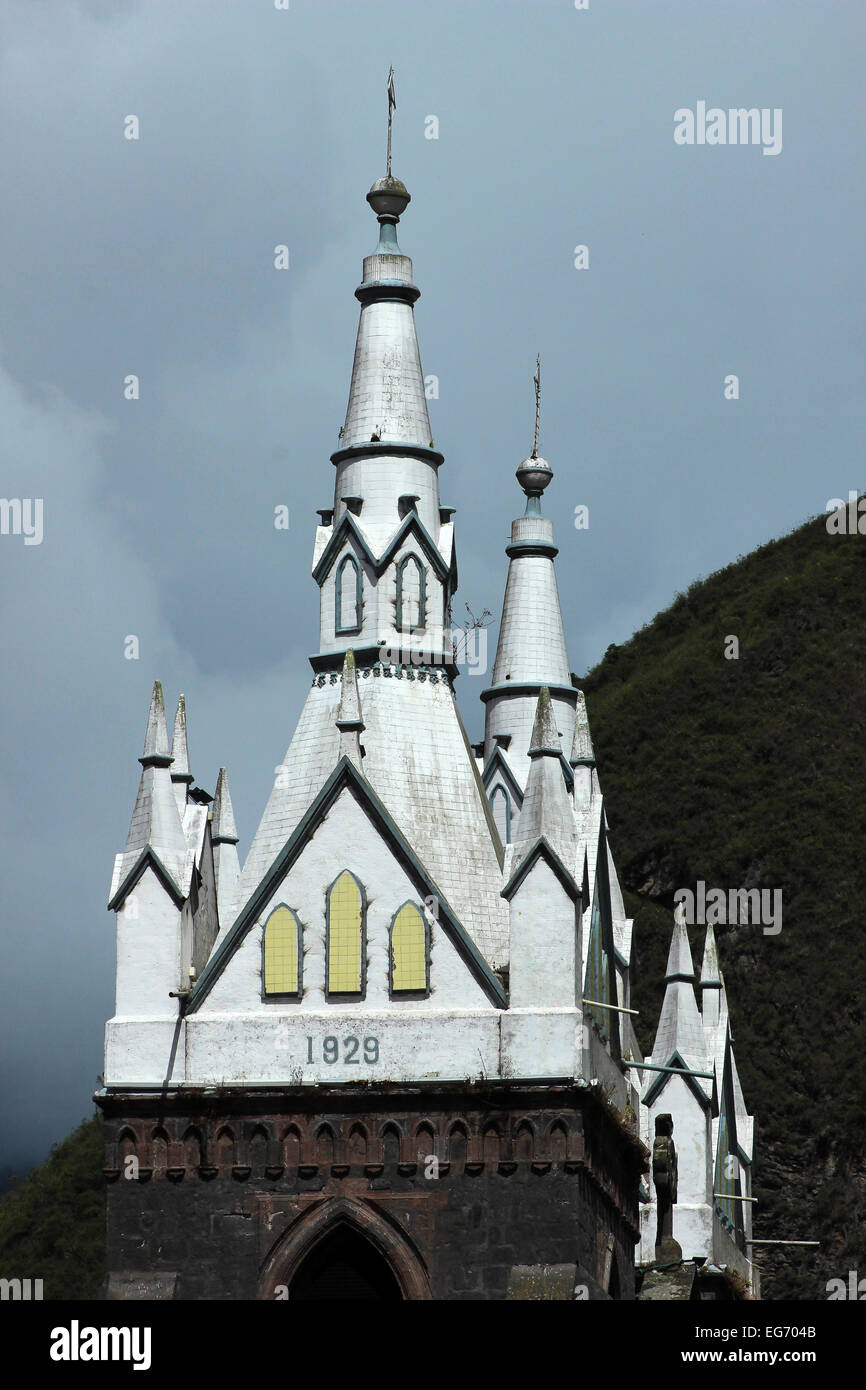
(344, 1265)
(370, 1249)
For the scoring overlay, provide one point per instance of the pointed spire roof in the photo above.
(680, 965)
(545, 737)
(224, 838)
(711, 983)
(156, 752)
(180, 773)
(582, 752)
(387, 402)
(223, 829)
(680, 1031)
(349, 720)
(156, 823)
(546, 808)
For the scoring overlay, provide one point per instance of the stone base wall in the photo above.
(461, 1191)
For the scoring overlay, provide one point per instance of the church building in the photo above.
(392, 1054)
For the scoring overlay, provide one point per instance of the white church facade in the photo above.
(392, 1054)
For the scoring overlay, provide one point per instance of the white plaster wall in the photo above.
(148, 951)
(276, 1047)
(544, 942)
(346, 839)
(382, 480)
(541, 1042)
(138, 1052)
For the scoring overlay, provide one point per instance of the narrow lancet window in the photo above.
(411, 595)
(500, 805)
(345, 936)
(410, 955)
(282, 953)
(348, 595)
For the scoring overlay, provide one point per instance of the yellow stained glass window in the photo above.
(408, 950)
(345, 920)
(282, 964)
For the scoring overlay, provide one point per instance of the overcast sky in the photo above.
(261, 127)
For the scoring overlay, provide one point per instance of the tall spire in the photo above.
(181, 776)
(531, 651)
(387, 403)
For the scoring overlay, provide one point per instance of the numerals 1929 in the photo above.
(351, 1050)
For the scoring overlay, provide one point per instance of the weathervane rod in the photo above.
(537, 380)
(392, 103)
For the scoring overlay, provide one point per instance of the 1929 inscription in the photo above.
(353, 1050)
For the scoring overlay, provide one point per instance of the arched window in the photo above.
(346, 944)
(347, 595)
(411, 595)
(410, 953)
(500, 805)
(282, 954)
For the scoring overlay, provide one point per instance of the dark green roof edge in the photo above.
(497, 761)
(411, 522)
(542, 848)
(527, 688)
(147, 856)
(381, 446)
(345, 774)
(663, 1077)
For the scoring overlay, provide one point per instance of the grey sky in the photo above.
(155, 257)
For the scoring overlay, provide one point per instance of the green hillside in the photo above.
(52, 1223)
(752, 773)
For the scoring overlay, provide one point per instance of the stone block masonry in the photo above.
(455, 1188)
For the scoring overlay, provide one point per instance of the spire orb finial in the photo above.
(535, 473)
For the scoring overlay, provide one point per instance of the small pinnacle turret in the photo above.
(680, 1031)
(546, 806)
(156, 751)
(349, 720)
(582, 753)
(224, 838)
(156, 823)
(181, 776)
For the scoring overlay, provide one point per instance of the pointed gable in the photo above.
(347, 826)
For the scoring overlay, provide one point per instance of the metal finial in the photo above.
(392, 104)
(537, 380)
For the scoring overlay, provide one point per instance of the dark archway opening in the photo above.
(344, 1266)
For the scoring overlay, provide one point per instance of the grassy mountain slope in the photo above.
(752, 773)
(52, 1223)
